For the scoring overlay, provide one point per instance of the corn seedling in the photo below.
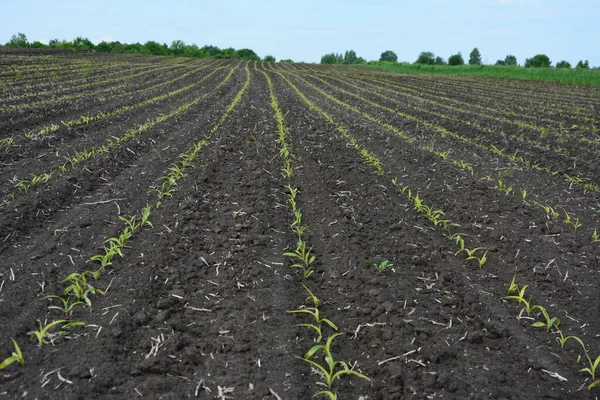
(67, 306)
(16, 356)
(480, 260)
(504, 188)
(44, 330)
(569, 221)
(318, 325)
(520, 297)
(595, 237)
(328, 371)
(382, 266)
(306, 259)
(562, 339)
(523, 194)
(592, 366)
(316, 302)
(549, 321)
(80, 288)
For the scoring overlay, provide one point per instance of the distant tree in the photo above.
(151, 47)
(330, 58)
(269, 59)
(210, 51)
(538, 61)
(136, 48)
(500, 62)
(440, 61)
(388, 55)
(104, 46)
(177, 47)
(53, 43)
(83, 43)
(246, 54)
(475, 57)
(510, 61)
(456, 59)
(38, 45)
(117, 47)
(583, 65)
(350, 57)
(563, 64)
(18, 40)
(426, 57)
(192, 50)
(287, 60)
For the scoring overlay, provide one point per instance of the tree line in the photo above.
(177, 48)
(429, 58)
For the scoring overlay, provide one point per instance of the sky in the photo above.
(305, 30)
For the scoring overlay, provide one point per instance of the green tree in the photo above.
(500, 62)
(456, 59)
(510, 61)
(269, 59)
(104, 46)
(563, 64)
(192, 50)
(439, 61)
(538, 61)
(350, 57)
(287, 60)
(83, 43)
(583, 65)
(246, 54)
(18, 40)
(388, 55)
(152, 47)
(210, 51)
(331, 58)
(177, 47)
(426, 57)
(475, 57)
(38, 45)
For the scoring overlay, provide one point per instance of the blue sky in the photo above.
(304, 30)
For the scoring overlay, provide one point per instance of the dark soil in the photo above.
(198, 305)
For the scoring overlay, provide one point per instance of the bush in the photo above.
(426, 57)
(456, 59)
(439, 61)
(388, 55)
(269, 59)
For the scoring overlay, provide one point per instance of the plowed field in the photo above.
(177, 228)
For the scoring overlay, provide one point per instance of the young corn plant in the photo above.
(519, 297)
(41, 333)
(382, 266)
(595, 237)
(16, 356)
(568, 220)
(318, 325)
(332, 369)
(549, 322)
(79, 288)
(305, 259)
(66, 305)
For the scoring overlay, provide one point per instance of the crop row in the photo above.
(81, 286)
